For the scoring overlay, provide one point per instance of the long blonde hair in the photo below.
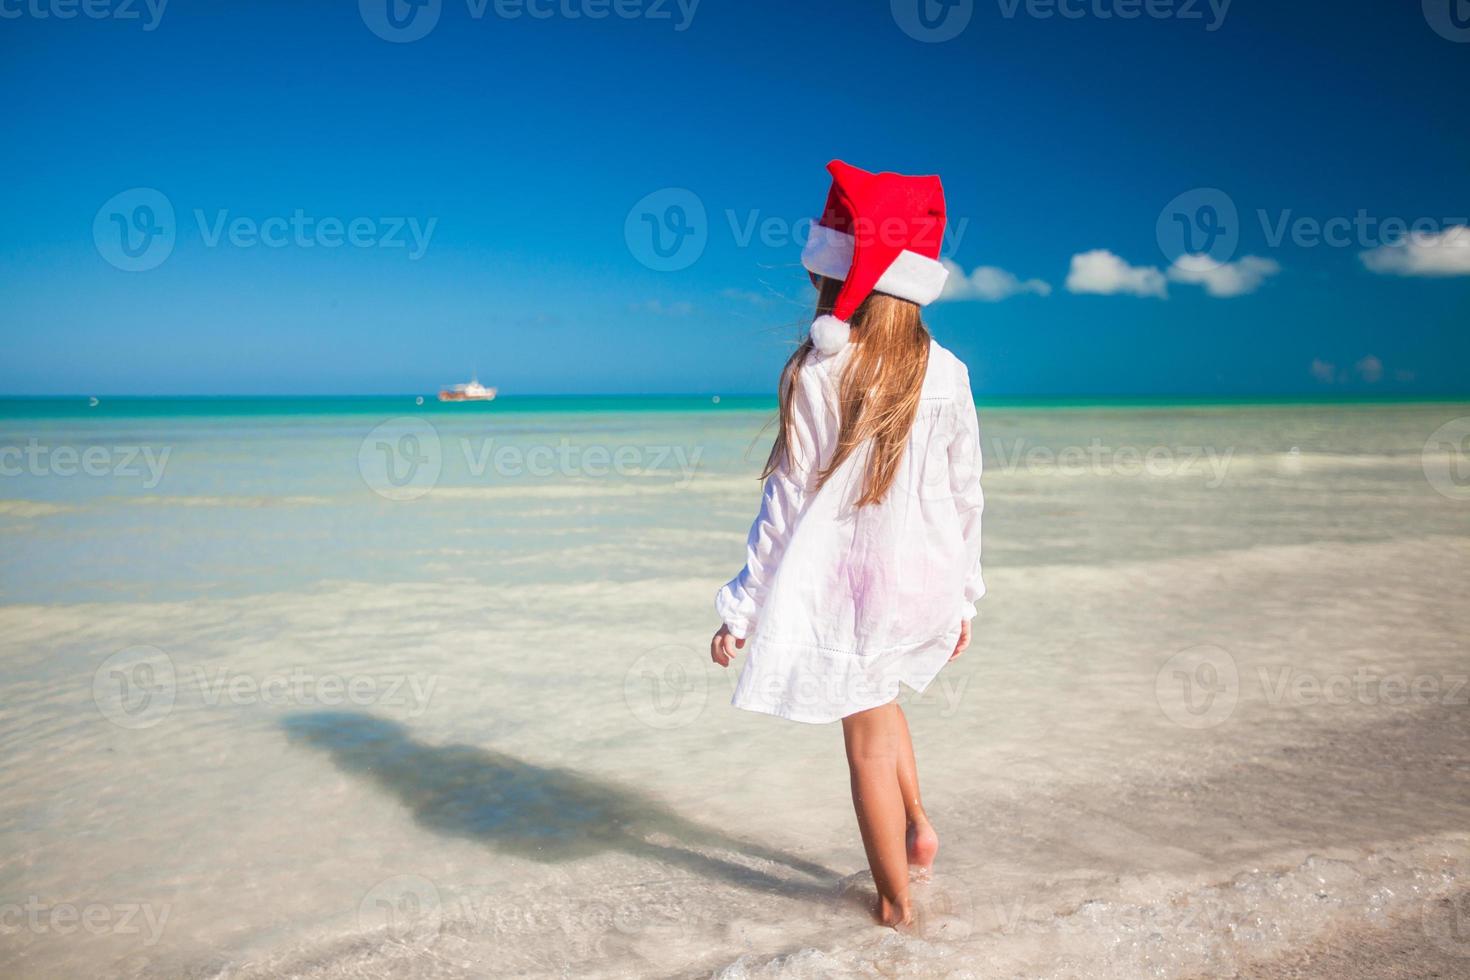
(879, 391)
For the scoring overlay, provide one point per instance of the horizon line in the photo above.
(1325, 397)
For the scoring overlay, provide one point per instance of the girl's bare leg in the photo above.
(923, 842)
(874, 746)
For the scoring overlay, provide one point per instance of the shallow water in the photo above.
(356, 694)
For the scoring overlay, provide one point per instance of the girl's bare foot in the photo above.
(893, 914)
(923, 843)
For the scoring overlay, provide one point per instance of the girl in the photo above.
(863, 565)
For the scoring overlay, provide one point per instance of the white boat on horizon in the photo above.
(472, 391)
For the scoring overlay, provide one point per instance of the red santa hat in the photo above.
(878, 233)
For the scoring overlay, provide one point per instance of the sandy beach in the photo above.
(295, 710)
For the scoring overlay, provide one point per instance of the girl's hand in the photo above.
(723, 645)
(964, 641)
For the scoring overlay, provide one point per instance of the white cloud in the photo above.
(1370, 369)
(1223, 279)
(989, 284)
(658, 307)
(1445, 253)
(1103, 273)
(1324, 371)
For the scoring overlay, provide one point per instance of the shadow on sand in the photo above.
(538, 812)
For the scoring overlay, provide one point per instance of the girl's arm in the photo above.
(739, 602)
(965, 466)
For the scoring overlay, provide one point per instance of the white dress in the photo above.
(840, 604)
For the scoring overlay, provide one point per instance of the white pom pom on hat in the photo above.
(879, 233)
(829, 334)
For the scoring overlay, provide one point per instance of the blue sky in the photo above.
(491, 174)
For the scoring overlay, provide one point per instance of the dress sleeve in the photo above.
(965, 467)
(739, 602)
